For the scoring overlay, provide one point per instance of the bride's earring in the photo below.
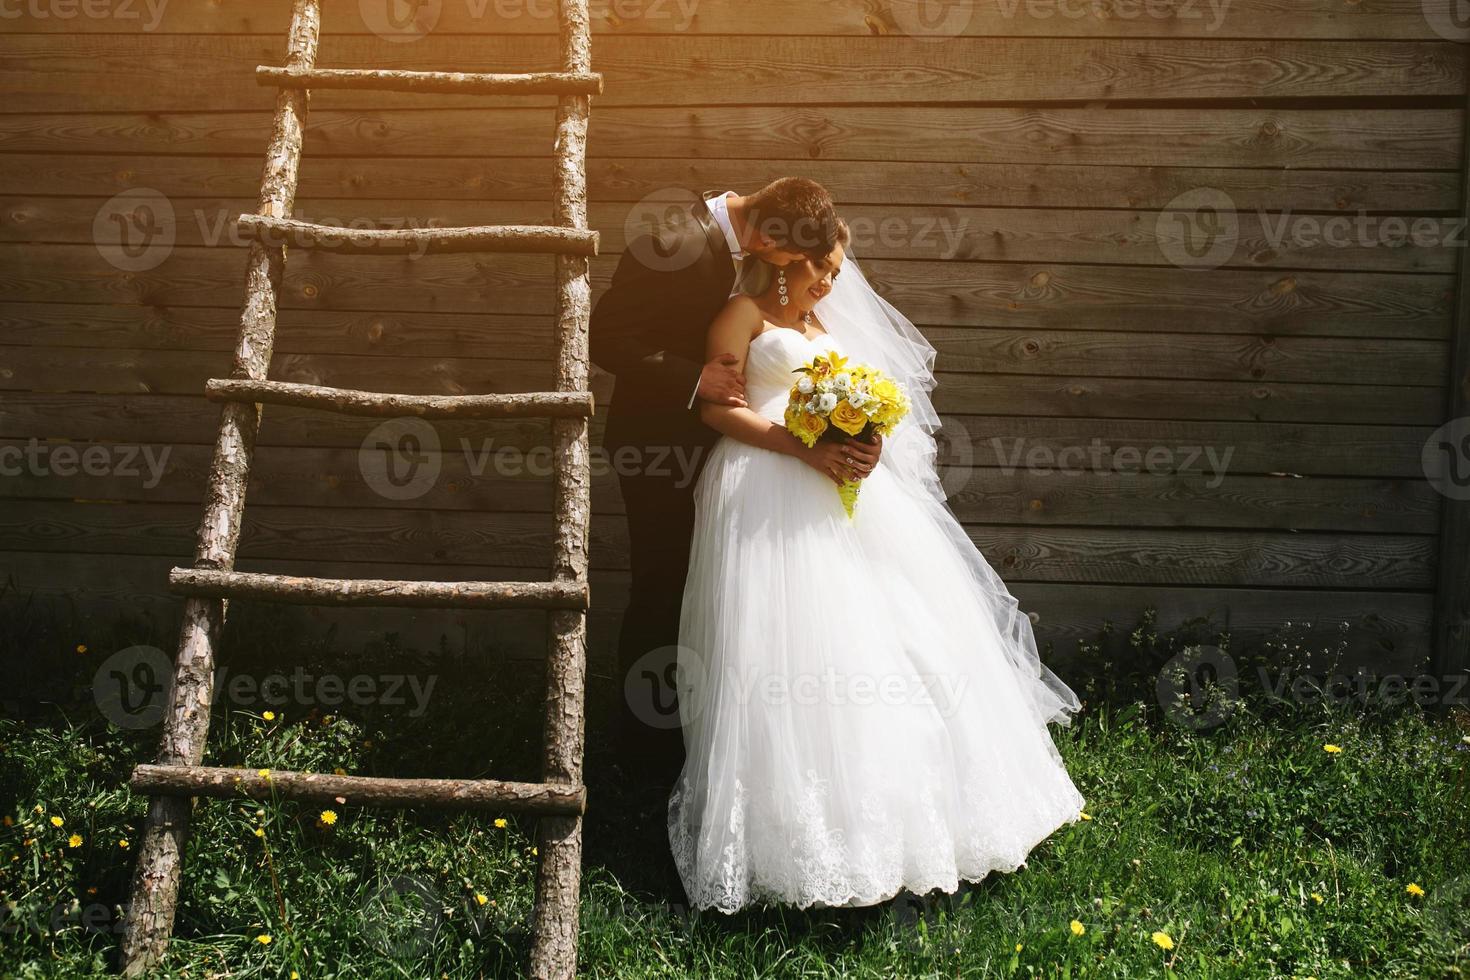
(781, 287)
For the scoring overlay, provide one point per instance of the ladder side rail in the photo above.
(155, 887)
(558, 876)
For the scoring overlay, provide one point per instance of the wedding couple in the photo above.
(862, 703)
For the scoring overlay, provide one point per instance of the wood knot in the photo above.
(1036, 503)
(1283, 286)
(1041, 279)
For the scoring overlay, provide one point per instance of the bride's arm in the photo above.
(731, 333)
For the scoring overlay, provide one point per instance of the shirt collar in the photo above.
(719, 208)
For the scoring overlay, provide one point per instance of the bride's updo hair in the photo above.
(756, 275)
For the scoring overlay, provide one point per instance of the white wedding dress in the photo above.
(862, 706)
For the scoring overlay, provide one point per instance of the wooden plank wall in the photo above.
(1047, 187)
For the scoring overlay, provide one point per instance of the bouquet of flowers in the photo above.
(831, 399)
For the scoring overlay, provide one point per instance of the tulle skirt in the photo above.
(854, 723)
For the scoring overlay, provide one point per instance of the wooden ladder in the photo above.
(560, 799)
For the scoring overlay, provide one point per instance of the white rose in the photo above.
(842, 381)
(826, 402)
(804, 385)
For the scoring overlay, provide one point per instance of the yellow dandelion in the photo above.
(534, 852)
(1316, 897)
(259, 831)
(263, 773)
(481, 899)
(1020, 946)
(57, 821)
(1085, 815)
(501, 823)
(1413, 889)
(268, 715)
(329, 817)
(75, 840)
(264, 939)
(1077, 928)
(1334, 749)
(295, 975)
(123, 843)
(1162, 940)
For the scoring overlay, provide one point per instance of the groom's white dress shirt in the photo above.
(719, 209)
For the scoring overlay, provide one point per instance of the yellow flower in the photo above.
(481, 899)
(1415, 890)
(848, 419)
(81, 648)
(295, 975)
(804, 425)
(1020, 946)
(268, 715)
(329, 817)
(259, 831)
(123, 843)
(264, 939)
(1329, 747)
(339, 771)
(534, 852)
(75, 840)
(1085, 815)
(1162, 940)
(501, 823)
(57, 821)
(1318, 898)
(263, 773)
(1078, 928)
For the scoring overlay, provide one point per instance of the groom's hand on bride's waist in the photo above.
(722, 383)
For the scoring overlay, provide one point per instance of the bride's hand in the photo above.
(831, 459)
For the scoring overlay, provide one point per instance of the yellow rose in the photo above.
(807, 427)
(848, 419)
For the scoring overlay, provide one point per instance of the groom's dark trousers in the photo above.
(649, 330)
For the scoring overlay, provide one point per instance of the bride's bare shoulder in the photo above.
(742, 310)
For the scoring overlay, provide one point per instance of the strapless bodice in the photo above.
(772, 356)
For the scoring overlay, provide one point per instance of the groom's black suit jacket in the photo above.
(649, 330)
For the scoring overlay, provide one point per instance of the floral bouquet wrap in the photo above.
(832, 399)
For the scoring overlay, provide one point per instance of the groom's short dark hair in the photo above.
(796, 214)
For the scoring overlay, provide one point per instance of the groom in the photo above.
(649, 330)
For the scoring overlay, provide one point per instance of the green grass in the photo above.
(1257, 852)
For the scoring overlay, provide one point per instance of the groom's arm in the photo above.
(624, 328)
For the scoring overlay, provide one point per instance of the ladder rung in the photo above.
(551, 239)
(215, 584)
(454, 82)
(467, 794)
(535, 404)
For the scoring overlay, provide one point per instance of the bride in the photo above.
(863, 706)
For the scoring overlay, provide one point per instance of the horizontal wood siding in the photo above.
(1127, 425)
